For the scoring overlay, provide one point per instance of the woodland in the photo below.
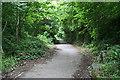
(29, 27)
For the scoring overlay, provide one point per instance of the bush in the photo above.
(44, 39)
(110, 57)
(110, 69)
(9, 64)
(31, 48)
(9, 45)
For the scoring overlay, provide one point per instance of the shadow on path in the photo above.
(63, 65)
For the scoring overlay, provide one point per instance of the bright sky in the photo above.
(54, 2)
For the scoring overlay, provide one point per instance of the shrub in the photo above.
(9, 64)
(110, 57)
(110, 69)
(31, 48)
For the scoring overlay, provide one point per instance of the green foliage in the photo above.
(9, 64)
(0, 61)
(45, 39)
(28, 26)
(9, 43)
(110, 69)
(27, 29)
(113, 53)
(109, 56)
(92, 22)
(31, 47)
(96, 24)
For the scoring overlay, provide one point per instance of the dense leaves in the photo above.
(27, 29)
(28, 26)
(96, 24)
(21, 20)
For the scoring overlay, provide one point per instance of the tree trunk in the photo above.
(17, 30)
(1, 50)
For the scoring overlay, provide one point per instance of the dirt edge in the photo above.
(83, 71)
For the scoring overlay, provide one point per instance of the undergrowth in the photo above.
(109, 58)
(29, 48)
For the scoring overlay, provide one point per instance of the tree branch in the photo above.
(4, 27)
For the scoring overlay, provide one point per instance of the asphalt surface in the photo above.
(63, 65)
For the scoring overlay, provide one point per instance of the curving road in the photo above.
(62, 65)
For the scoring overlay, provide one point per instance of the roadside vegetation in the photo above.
(29, 27)
(96, 26)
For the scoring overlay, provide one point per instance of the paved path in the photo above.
(62, 65)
